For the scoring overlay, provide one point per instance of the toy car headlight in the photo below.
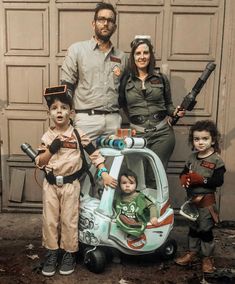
(134, 142)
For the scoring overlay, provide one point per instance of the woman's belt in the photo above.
(140, 119)
(157, 127)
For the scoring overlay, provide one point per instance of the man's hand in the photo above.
(55, 146)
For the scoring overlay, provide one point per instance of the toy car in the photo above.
(98, 229)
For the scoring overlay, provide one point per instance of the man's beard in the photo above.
(104, 38)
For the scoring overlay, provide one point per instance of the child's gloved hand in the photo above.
(55, 146)
(195, 178)
(108, 180)
(154, 221)
(185, 180)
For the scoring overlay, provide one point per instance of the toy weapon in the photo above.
(189, 101)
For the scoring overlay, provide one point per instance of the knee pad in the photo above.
(193, 234)
(206, 236)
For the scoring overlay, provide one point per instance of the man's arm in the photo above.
(69, 70)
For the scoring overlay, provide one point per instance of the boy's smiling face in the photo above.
(60, 114)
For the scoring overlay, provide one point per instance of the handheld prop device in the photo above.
(189, 101)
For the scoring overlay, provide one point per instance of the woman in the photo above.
(145, 96)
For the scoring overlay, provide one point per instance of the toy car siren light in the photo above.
(125, 132)
(110, 143)
(135, 142)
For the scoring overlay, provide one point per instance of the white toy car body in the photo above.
(97, 226)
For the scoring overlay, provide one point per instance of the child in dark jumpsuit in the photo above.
(202, 174)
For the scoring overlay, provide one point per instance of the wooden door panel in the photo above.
(193, 34)
(26, 30)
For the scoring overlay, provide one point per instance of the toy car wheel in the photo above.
(95, 260)
(168, 250)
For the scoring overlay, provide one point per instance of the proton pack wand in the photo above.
(189, 101)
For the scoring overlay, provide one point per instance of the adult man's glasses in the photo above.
(103, 20)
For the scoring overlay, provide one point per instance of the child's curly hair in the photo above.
(209, 126)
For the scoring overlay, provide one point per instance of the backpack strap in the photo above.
(85, 165)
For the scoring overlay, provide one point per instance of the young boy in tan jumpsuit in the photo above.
(60, 158)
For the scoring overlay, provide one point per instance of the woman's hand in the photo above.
(179, 111)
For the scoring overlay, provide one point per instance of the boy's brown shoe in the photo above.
(208, 265)
(187, 258)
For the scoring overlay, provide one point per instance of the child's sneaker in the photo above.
(50, 264)
(68, 263)
(189, 210)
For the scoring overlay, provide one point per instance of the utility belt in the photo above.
(61, 180)
(95, 111)
(140, 119)
(206, 201)
(157, 127)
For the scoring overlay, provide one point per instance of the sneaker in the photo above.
(68, 263)
(187, 259)
(49, 267)
(189, 210)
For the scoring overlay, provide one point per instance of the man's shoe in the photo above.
(208, 265)
(187, 259)
(68, 263)
(50, 264)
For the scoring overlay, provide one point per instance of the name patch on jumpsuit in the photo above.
(208, 165)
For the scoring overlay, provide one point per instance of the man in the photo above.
(92, 70)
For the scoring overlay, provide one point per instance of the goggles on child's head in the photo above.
(59, 91)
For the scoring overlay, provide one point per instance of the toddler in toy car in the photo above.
(134, 210)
